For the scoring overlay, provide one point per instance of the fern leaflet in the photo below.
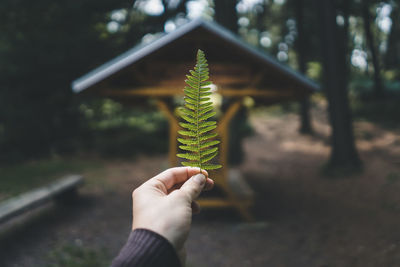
(196, 112)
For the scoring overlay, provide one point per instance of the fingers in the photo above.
(195, 207)
(209, 184)
(193, 187)
(175, 187)
(176, 175)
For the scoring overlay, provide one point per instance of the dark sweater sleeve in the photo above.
(145, 248)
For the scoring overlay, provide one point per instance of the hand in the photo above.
(165, 203)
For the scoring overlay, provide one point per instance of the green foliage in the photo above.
(77, 256)
(382, 112)
(39, 57)
(19, 178)
(40, 54)
(196, 112)
(112, 129)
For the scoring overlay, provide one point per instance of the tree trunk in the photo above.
(378, 88)
(225, 14)
(305, 122)
(392, 58)
(344, 155)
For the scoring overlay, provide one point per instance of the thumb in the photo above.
(192, 187)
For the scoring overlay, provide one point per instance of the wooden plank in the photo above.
(219, 202)
(17, 205)
(220, 80)
(174, 91)
(223, 132)
(229, 114)
(262, 93)
(173, 131)
(214, 202)
(179, 70)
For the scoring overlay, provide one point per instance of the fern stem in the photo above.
(197, 114)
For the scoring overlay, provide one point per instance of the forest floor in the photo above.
(303, 218)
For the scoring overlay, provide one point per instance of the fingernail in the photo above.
(199, 178)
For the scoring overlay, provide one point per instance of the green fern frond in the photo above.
(196, 112)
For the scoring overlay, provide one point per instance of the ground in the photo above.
(303, 218)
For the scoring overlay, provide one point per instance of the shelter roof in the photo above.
(161, 65)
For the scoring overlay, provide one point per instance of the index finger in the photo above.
(177, 175)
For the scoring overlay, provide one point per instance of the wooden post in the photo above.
(241, 205)
(173, 129)
(223, 130)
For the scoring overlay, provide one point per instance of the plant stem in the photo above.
(197, 114)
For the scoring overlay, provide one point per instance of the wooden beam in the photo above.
(215, 202)
(223, 130)
(256, 80)
(230, 112)
(262, 93)
(220, 80)
(173, 91)
(144, 92)
(215, 67)
(173, 131)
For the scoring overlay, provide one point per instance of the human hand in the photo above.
(165, 203)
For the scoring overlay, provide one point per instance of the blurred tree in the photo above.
(225, 14)
(43, 46)
(392, 58)
(301, 47)
(367, 19)
(334, 42)
(138, 23)
(293, 27)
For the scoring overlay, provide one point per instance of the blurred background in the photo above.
(325, 169)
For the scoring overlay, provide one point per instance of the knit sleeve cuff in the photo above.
(146, 248)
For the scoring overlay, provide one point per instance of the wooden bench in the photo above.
(59, 189)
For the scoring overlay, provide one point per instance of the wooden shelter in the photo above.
(157, 70)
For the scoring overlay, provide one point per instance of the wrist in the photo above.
(160, 230)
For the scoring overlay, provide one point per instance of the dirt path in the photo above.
(303, 219)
